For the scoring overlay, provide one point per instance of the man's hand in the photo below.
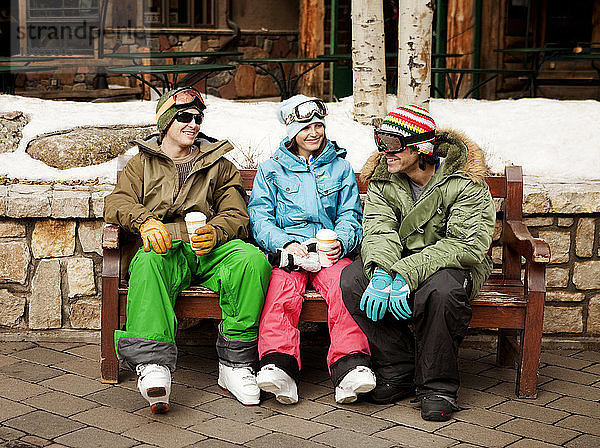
(204, 239)
(155, 234)
(374, 301)
(398, 298)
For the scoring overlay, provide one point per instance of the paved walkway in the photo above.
(51, 397)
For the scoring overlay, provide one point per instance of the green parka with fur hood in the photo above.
(449, 226)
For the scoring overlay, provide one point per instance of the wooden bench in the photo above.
(514, 307)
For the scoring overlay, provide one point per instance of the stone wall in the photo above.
(50, 257)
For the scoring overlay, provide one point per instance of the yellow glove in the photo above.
(156, 234)
(204, 239)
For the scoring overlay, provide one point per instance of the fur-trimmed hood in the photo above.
(460, 153)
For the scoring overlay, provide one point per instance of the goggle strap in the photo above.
(412, 139)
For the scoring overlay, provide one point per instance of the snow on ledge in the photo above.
(556, 142)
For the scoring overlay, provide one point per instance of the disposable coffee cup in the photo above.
(194, 220)
(326, 239)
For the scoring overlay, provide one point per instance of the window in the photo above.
(179, 13)
(61, 27)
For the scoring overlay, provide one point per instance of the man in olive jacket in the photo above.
(428, 224)
(173, 174)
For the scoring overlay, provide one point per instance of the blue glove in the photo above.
(398, 298)
(374, 301)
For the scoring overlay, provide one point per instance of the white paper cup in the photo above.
(193, 220)
(326, 239)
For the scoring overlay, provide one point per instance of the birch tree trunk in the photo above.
(368, 60)
(414, 52)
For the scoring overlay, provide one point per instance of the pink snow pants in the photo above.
(278, 329)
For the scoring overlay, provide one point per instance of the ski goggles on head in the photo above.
(306, 111)
(182, 97)
(187, 117)
(392, 143)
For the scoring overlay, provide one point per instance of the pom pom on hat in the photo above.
(408, 121)
(285, 109)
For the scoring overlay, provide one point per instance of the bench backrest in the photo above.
(508, 187)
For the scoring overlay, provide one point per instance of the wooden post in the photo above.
(596, 25)
(414, 52)
(461, 30)
(311, 43)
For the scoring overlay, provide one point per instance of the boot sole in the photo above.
(436, 416)
(160, 408)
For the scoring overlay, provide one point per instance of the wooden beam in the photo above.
(460, 32)
(311, 43)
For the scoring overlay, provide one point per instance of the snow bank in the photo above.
(554, 140)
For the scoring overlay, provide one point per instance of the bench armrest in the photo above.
(517, 236)
(110, 236)
(111, 254)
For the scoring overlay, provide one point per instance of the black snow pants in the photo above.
(421, 351)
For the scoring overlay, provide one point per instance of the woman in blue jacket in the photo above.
(304, 187)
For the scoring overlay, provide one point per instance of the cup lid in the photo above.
(195, 216)
(326, 234)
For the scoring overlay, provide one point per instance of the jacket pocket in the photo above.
(328, 192)
(287, 199)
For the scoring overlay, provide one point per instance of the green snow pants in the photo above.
(238, 271)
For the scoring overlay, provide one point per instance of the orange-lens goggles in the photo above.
(182, 97)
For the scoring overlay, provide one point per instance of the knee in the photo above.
(251, 256)
(149, 259)
(351, 279)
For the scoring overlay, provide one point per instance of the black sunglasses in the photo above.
(186, 117)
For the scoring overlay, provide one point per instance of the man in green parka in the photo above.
(428, 224)
(177, 172)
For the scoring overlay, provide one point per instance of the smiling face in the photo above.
(310, 139)
(183, 134)
(406, 161)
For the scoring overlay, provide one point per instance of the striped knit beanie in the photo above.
(408, 121)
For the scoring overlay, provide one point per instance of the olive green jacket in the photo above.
(149, 188)
(449, 226)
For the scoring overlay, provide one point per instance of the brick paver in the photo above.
(29, 371)
(478, 435)
(573, 389)
(230, 408)
(45, 356)
(43, 424)
(530, 411)
(74, 384)
(340, 438)
(229, 430)
(60, 403)
(160, 434)
(292, 425)
(404, 436)
(51, 397)
(539, 431)
(584, 441)
(101, 439)
(581, 423)
(10, 409)
(279, 440)
(111, 419)
(577, 406)
(574, 376)
(16, 389)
